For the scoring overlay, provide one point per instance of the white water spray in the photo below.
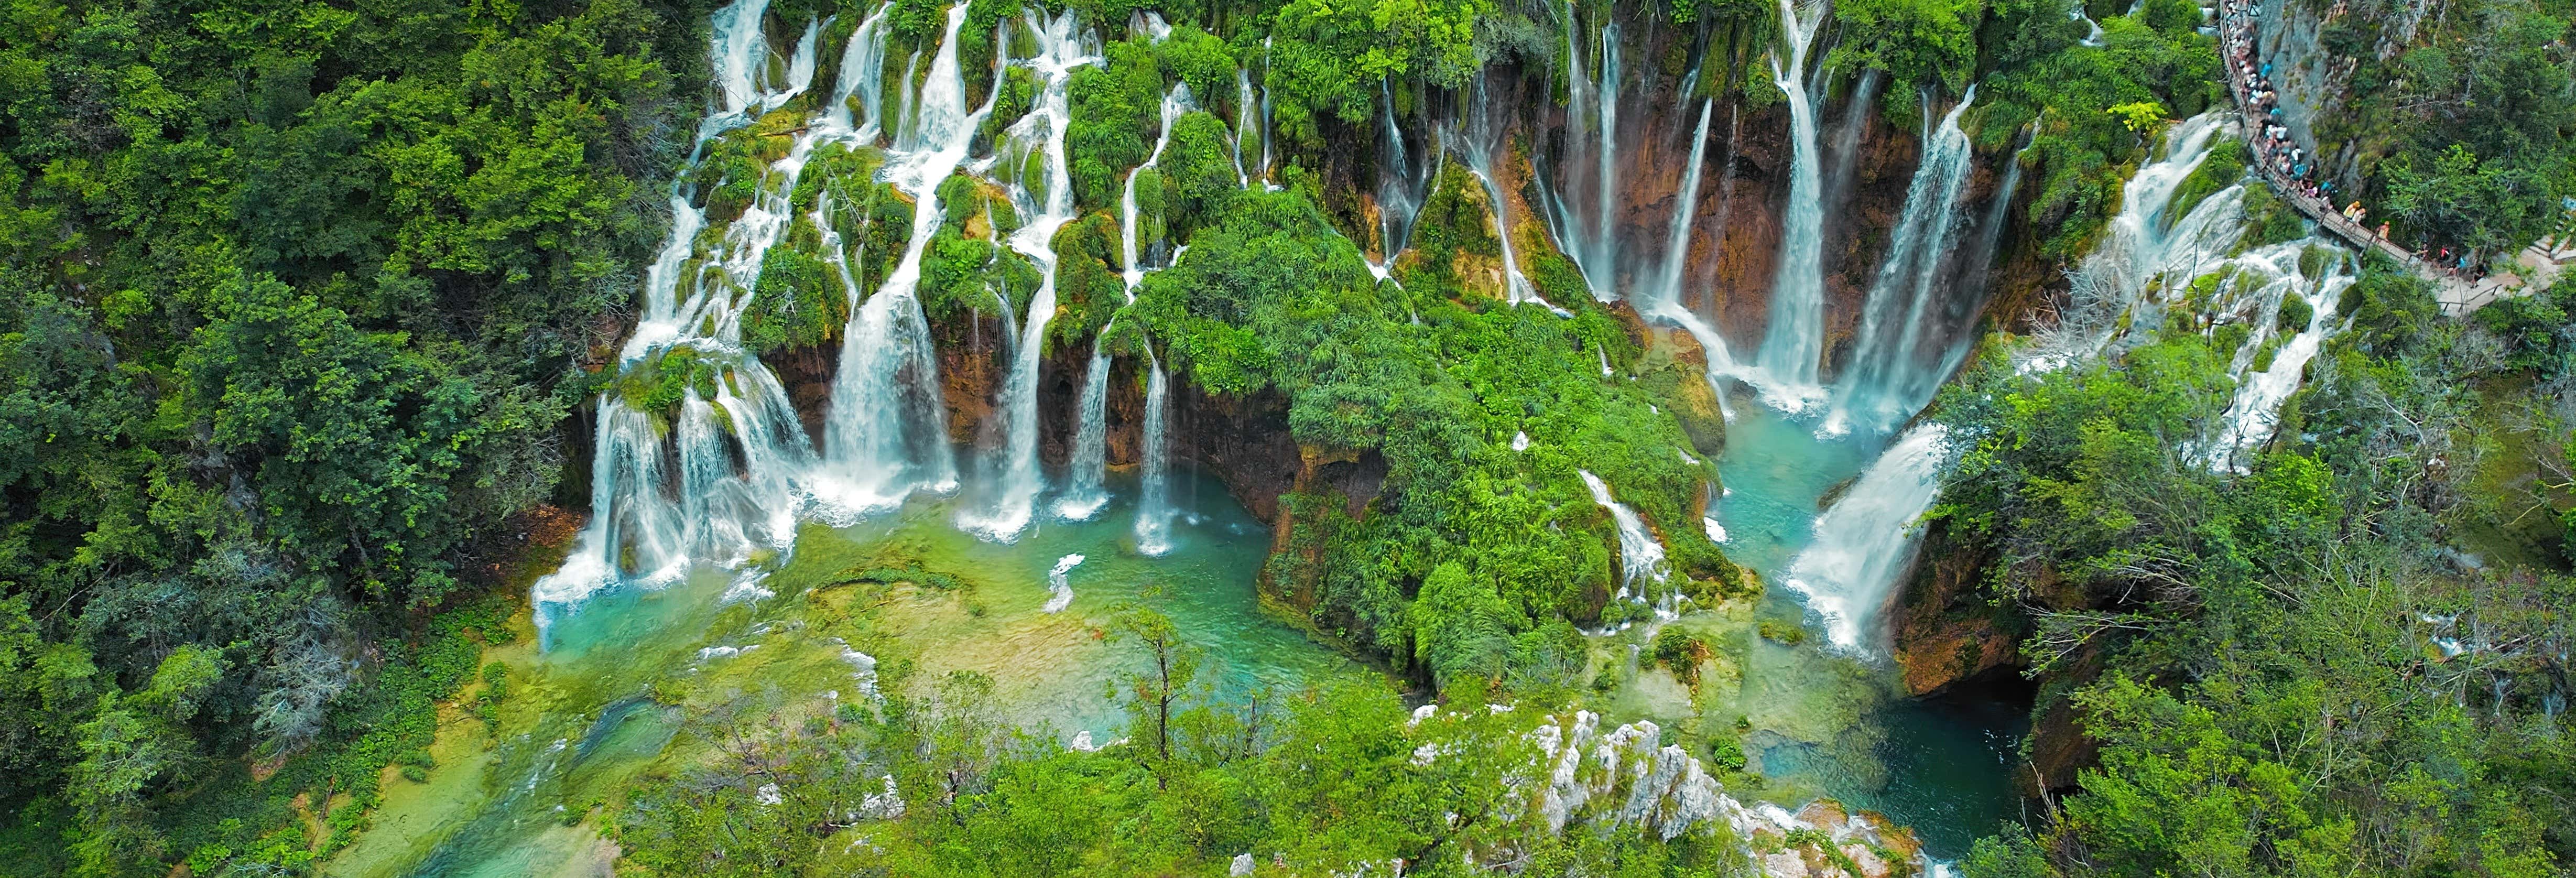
(1059, 588)
(1795, 340)
(1865, 542)
(1641, 558)
(1154, 507)
(1019, 481)
(1888, 379)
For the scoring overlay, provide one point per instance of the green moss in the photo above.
(2223, 167)
(1777, 631)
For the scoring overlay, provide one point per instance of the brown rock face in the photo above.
(1733, 245)
(1944, 634)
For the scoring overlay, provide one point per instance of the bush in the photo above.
(1776, 631)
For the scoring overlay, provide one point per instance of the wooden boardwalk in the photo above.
(2458, 295)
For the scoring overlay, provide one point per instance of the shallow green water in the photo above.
(1824, 722)
(1056, 668)
(588, 726)
(1834, 722)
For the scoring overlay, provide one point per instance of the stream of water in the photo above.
(722, 497)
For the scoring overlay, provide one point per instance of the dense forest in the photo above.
(322, 324)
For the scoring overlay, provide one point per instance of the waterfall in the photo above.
(1866, 541)
(1795, 340)
(800, 67)
(886, 435)
(1887, 379)
(1175, 104)
(1399, 191)
(741, 56)
(1601, 271)
(1990, 232)
(2141, 244)
(1592, 242)
(1663, 301)
(1725, 198)
(1154, 506)
(2264, 279)
(1265, 108)
(1085, 494)
(1248, 122)
(1641, 558)
(863, 77)
(719, 477)
(1476, 146)
(1015, 496)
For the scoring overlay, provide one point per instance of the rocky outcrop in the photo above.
(1945, 633)
(1627, 778)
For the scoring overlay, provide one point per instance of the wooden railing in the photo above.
(2457, 294)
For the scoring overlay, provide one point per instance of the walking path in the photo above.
(2289, 167)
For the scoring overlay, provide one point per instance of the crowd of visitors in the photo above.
(2289, 164)
(2283, 158)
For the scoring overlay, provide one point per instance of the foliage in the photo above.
(1919, 43)
(294, 299)
(2287, 673)
(2459, 128)
(1469, 548)
(1321, 780)
(2489, 206)
(2064, 94)
(1327, 59)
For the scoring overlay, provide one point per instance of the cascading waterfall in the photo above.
(742, 72)
(1605, 193)
(1476, 147)
(863, 77)
(1085, 494)
(1864, 543)
(1592, 242)
(2152, 261)
(1641, 558)
(1888, 379)
(1663, 301)
(1154, 506)
(1020, 482)
(1795, 339)
(800, 66)
(2142, 244)
(1175, 104)
(2259, 282)
(1247, 122)
(1400, 190)
(719, 477)
(887, 432)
